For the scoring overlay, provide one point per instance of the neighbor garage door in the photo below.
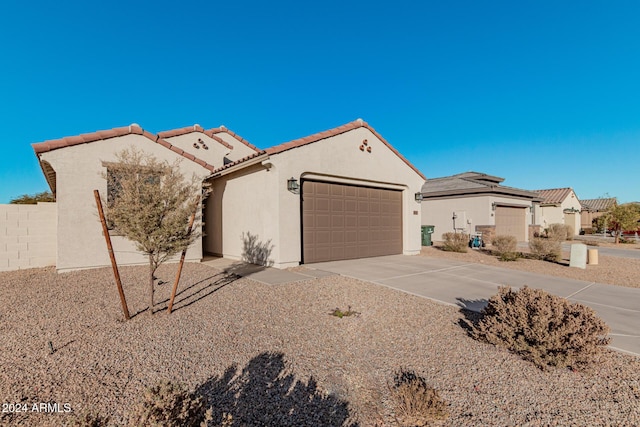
(511, 221)
(344, 221)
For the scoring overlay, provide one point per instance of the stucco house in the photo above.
(338, 194)
(560, 206)
(472, 202)
(592, 209)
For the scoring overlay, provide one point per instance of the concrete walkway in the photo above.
(266, 275)
(470, 285)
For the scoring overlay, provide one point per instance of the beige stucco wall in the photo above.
(27, 236)
(257, 199)
(78, 172)
(214, 153)
(241, 203)
(239, 151)
(476, 210)
(555, 214)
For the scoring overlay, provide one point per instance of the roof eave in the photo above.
(259, 158)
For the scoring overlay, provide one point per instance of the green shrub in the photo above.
(169, 405)
(506, 247)
(455, 242)
(545, 329)
(559, 232)
(417, 403)
(546, 249)
(342, 313)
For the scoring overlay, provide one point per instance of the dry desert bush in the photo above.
(170, 405)
(455, 242)
(545, 329)
(546, 249)
(417, 403)
(559, 232)
(506, 247)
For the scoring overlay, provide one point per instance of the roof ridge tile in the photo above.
(101, 135)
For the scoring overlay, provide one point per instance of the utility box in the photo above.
(427, 231)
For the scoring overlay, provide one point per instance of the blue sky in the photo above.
(545, 94)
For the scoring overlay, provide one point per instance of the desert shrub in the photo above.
(342, 313)
(546, 249)
(89, 419)
(506, 247)
(455, 242)
(559, 232)
(168, 405)
(417, 403)
(545, 329)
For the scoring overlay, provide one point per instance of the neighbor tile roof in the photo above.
(596, 205)
(471, 183)
(43, 147)
(337, 131)
(554, 195)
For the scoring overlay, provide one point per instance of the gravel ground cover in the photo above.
(609, 270)
(272, 355)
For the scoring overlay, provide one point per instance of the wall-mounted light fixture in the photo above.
(493, 206)
(418, 197)
(292, 185)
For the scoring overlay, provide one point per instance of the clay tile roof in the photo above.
(337, 131)
(194, 128)
(220, 129)
(554, 195)
(239, 161)
(43, 147)
(598, 205)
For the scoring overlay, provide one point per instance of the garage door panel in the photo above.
(322, 205)
(322, 221)
(323, 238)
(351, 236)
(344, 221)
(511, 221)
(337, 252)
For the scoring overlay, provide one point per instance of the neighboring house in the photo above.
(592, 209)
(470, 202)
(559, 206)
(339, 194)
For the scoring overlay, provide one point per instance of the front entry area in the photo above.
(341, 221)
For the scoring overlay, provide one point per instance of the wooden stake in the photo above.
(114, 265)
(184, 253)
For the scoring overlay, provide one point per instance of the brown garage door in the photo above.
(345, 222)
(511, 221)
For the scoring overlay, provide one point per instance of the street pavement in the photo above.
(471, 285)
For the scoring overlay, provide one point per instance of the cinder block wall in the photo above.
(28, 236)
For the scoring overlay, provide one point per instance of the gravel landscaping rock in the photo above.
(273, 355)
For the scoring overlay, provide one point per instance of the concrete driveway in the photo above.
(470, 286)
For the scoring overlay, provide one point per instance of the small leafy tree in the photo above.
(620, 218)
(32, 199)
(150, 203)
